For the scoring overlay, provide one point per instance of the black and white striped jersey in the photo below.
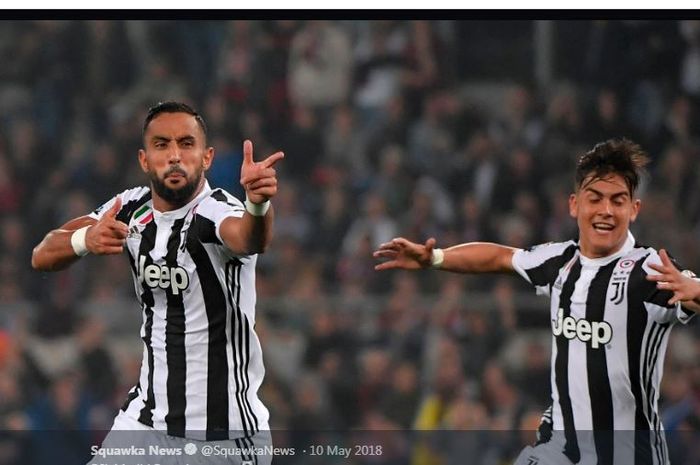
(202, 362)
(610, 329)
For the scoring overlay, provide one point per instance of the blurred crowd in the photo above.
(415, 128)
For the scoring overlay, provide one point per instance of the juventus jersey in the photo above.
(202, 362)
(610, 329)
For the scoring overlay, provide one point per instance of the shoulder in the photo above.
(649, 255)
(135, 194)
(551, 249)
(219, 201)
(220, 195)
(540, 264)
(131, 199)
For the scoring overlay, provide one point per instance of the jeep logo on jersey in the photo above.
(163, 276)
(598, 332)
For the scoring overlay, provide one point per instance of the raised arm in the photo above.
(472, 257)
(61, 247)
(685, 288)
(252, 232)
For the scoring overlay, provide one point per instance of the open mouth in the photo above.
(603, 227)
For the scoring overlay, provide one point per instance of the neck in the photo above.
(589, 252)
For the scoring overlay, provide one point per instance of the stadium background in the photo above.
(458, 130)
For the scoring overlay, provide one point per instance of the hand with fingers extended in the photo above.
(108, 235)
(259, 179)
(404, 254)
(670, 278)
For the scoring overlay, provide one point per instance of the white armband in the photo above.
(689, 274)
(77, 240)
(257, 209)
(437, 258)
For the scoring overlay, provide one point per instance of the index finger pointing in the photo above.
(247, 151)
(116, 206)
(272, 159)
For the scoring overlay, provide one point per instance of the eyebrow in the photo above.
(168, 139)
(616, 194)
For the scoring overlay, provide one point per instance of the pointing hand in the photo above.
(259, 179)
(108, 235)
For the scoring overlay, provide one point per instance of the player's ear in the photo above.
(208, 158)
(142, 160)
(573, 206)
(636, 205)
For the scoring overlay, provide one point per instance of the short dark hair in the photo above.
(172, 107)
(614, 156)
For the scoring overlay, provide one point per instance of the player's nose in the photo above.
(174, 155)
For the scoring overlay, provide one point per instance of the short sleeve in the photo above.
(540, 265)
(219, 206)
(132, 200)
(100, 211)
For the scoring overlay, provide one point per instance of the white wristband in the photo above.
(437, 258)
(257, 209)
(77, 240)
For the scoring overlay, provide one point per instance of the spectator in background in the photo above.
(338, 373)
(606, 121)
(518, 176)
(520, 124)
(401, 322)
(331, 224)
(61, 421)
(534, 374)
(11, 187)
(373, 365)
(373, 224)
(393, 180)
(476, 169)
(95, 360)
(345, 147)
(690, 67)
(466, 433)
(379, 56)
(320, 65)
(431, 139)
(303, 139)
(400, 400)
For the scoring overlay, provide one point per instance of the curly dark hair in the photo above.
(614, 156)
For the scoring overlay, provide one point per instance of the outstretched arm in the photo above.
(472, 257)
(252, 232)
(104, 237)
(686, 290)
